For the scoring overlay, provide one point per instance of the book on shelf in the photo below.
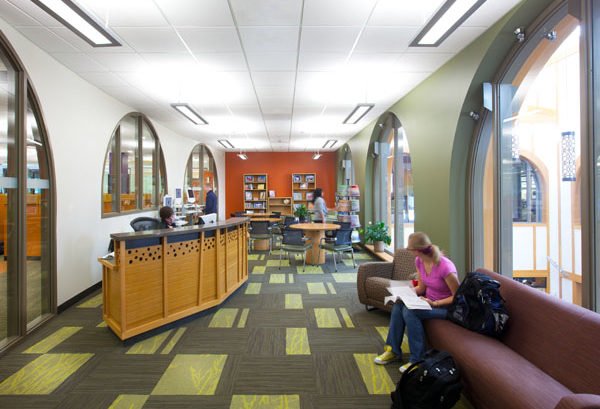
(354, 205)
(262, 196)
(261, 178)
(303, 185)
(297, 178)
(261, 186)
(343, 205)
(248, 195)
(310, 178)
(249, 178)
(309, 196)
(353, 191)
(248, 187)
(297, 196)
(271, 193)
(342, 190)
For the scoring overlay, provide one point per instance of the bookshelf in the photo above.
(255, 192)
(347, 204)
(281, 204)
(302, 184)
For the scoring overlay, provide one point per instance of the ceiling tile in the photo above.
(274, 78)
(130, 13)
(126, 62)
(36, 13)
(77, 42)
(78, 62)
(103, 79)
(269, 39)
(328, 39)
(321, 61)
(267, 12)
(205, 13)
(404, 13)
(284, 61)
(15, 16)
(336, 12)
(373, 62)
(221, 61)
(211, 40)
(386, 39)
(176, 62)
(47, 40)
(270, 92)
(151, 40)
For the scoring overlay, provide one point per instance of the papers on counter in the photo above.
(405, 292)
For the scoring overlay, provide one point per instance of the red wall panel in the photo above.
(279, 167)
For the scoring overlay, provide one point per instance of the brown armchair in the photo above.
(373, 278)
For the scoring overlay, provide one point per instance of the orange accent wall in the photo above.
(279, 167)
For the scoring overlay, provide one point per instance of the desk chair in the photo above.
(260, 231)
(144, 223)
(293, 242)
(342, 243)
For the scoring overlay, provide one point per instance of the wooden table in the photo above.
(253, 215)
(315, 231)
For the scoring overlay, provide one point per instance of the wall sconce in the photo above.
(567, 156)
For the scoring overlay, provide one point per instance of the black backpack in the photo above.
(478, 305)
(431, 383)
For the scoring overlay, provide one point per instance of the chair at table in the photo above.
(294, 242)
(330, 234)
(341, 244)
(144, 223)
(239, 214)
(259, 230)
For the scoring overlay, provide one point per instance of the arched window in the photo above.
(27, 206)
(527, 193)
(134, 176)
(199, 171)
(393, 194)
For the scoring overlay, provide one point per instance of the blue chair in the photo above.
(341, 244)
(144, 223)
(294, 242)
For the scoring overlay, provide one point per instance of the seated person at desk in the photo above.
(211, 200)
(167, 217)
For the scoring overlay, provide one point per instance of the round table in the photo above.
(315, 231)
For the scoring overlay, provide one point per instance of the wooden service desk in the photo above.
(160, 276)
(315, 232)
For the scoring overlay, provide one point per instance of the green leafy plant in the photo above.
(301, 211)
(376, 232)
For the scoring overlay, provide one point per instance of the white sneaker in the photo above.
(404, 367)
(387, 356)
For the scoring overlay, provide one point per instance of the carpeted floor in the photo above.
(287, 339)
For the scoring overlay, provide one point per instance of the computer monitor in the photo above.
(178, 196)
(208, 218)
(168, 200)
(191, 196)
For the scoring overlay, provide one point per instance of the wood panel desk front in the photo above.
(160, 276)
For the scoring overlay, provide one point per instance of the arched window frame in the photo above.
(159, 176)
(189, 180)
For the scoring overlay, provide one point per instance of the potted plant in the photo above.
(301, 212)
(377, 234)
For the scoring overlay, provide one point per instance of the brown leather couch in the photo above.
(549, 356)
(374, 277)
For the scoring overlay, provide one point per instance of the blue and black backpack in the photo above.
(478, 305)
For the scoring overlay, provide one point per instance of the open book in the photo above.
(405, 292)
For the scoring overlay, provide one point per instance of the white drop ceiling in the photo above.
(269, 75)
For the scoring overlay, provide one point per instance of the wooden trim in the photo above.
(165, 277)
(381, 255)
(200, 267)
(220, 290)
(122, 254)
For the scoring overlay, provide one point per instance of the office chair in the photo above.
(342, 243)
(293, 242)
(144, 223)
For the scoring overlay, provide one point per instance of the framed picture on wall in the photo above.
(297, 179)
(310, 179)
(271, 193)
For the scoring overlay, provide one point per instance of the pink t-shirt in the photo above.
(435, 283)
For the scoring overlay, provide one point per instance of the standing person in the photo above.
(210, 205)
(167, 217)
(438, 282)
(319, 207)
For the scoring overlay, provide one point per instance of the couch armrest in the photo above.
(579, 401)
(371, 269)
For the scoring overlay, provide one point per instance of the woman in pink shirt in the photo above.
(438, 282)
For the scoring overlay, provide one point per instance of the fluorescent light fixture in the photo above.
(225, 143)
(187, 111)
(81, 23)
(329, 143)
(242, 156)
(443, 23)
(316, 156)
(357, 113)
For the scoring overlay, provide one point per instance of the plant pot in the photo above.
(378, 246)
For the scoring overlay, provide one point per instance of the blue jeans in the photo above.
(403, 318)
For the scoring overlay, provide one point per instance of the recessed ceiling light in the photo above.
(357, 113)
(329, 143)
(225, 143)
(80, 22)
(316, 156)
(187, 111)
(242, 156)
(447, 19)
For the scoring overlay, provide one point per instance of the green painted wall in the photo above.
(440, 132)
